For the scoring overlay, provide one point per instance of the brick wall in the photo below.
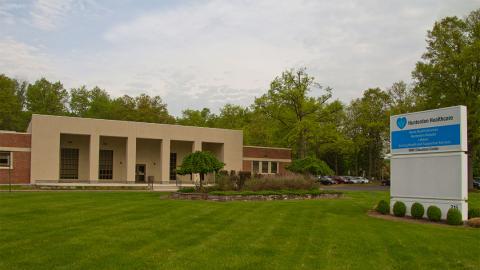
(20, 174)
(10, 141)
(281, 155)
(264, 152)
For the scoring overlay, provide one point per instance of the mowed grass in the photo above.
(140, 230)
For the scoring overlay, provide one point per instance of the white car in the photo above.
(359, 180)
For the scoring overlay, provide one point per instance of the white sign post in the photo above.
(429, 160)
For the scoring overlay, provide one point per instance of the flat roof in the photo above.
(128, 121)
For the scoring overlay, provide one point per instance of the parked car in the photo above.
(348, 179)
(476, 183)
(326, 180)
(385, 182)
(338, 179)
(359, 180)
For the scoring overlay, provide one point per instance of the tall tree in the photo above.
(449, 72)
(12, 116)
(44, 97)
(368, 128)
(288, 102)
(402, 97)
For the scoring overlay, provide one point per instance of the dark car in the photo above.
(338, 179)
(385, 182)
(476, 183)
(325, 180)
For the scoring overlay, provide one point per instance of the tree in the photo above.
(232, 117)
(12, 116)
(449, 72)
(288, 103)
(310, 166)
(402, 97)
(94, 103)
(201, 162)
(44, 97)
(152, 109)
(203, 118)
(367, 126)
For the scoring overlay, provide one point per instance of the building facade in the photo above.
(69, 149)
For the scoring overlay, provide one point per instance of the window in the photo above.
(173, 166)
(68, 163)
(5, 160)
(105, 164)
(264, 166)
(273, 167)
(256, 167)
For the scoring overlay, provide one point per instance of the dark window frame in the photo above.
(105, 164)
(8, 164)
(173, 166)
(69, 161)
(276, 167)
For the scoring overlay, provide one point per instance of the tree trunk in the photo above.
(369, 174)
(336, 164)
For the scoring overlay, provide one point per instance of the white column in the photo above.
(196, 146)
(94, 152)
(165, 160)
(131, 158)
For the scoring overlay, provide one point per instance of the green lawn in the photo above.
(138, 230)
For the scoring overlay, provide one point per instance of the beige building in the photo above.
(96, 150)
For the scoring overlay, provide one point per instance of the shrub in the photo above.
(224, 181)
(280, 183)
(417, 210)
(474, 213)
(242, 177)
(310, 165)
(474, 222)
(399, 209)
(434, 213)
(383, 207)
(454, 217)
(187, 190)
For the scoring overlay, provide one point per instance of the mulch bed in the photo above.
(375, 214)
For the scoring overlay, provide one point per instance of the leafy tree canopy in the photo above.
(310, 165)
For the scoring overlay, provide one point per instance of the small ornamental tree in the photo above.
(202, 163)
(310, 165)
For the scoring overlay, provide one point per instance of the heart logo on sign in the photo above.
(401, 122)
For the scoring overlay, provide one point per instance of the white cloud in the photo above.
(23, 61)
(49, 15)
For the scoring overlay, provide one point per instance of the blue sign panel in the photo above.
(429, 137)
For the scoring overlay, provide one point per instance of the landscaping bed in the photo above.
(258, 195)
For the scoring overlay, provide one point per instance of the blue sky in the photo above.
(197, 54)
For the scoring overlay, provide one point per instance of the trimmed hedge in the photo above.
(474, 213)
(434, 213)
(399, 209)
(417, 210)
(383, 207)
(454, 217)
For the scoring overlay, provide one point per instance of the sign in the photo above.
(428, 159)
(441, 130)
